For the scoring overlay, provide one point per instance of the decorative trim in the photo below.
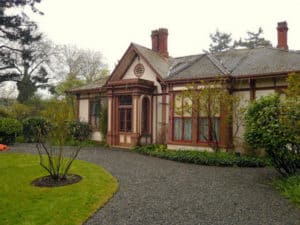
(139, 70)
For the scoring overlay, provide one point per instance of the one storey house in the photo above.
(141, 91)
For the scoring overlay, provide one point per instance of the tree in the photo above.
(33, 68)
(273, 123)
(208, 101)
(253, 40)
(22, 59)
(53, 158)
(220, 42)
(12, 29)
(84, 64)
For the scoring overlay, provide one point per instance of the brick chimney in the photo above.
(160, 41)
(282, 35)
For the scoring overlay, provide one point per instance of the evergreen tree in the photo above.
(253, 40)
(220, 42)
(20, 58)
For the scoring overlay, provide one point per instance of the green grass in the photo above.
(24, 204)
(290, 188)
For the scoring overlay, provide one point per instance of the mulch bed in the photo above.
(47, 181)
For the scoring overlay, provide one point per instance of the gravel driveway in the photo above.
(154, 191)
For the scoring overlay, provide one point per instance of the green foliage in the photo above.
(289, 187)
(3, 112)
(269, 125)
(70, 82)
(20, 111)
(79, 131)
(53, 158)
(209, 101)
(35, 128)
(59, 113)
(253, 40)
(104, 120)
(9, 129)
(293, 82)
(26, 88)
(201, 158)
(220, 42)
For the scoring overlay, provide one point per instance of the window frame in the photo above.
(183, 119)
(126, 108)
(94, 118)
(209, 129)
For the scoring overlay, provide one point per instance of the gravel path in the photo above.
(154, 191)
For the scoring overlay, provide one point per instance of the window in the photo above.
(125, 113)
(182, 120)
(208, 124)
(209, 130)
(95, 108)
(207, 127)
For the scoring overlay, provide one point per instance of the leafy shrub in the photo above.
(35, 128)
(3, 113)
(9, 129)
(20, 111)
(80, 131)
(201, 158)
(272, 125)
(289, 187)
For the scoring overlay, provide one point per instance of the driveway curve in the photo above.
(154, 191)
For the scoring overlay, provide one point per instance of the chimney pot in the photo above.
(282, 35)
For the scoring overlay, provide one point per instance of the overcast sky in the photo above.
(110, 26)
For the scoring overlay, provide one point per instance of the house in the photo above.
(141, 91)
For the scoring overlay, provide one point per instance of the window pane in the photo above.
(203, 129)
(145, 116)
(95, 108)
(128, 120)
(125, 100)
(177, 128)
(216, 124)
(122, 119)
(187, 107)
(187, 129)
(178, 105)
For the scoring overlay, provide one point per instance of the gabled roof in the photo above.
(235, 62)
(159, 64)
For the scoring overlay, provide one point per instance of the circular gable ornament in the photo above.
(139, 70)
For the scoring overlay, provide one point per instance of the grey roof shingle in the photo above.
(159, 63)
(237, 62)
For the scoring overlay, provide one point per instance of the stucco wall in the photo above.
(237, 124)
(260, 93)
(84, 110)
(186, 147)
(149, 74)
(96, 136)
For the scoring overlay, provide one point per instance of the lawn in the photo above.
(290, 188)
(23, 204)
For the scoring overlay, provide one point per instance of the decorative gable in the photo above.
(140, 69)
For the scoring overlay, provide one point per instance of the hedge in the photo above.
(202, 158)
